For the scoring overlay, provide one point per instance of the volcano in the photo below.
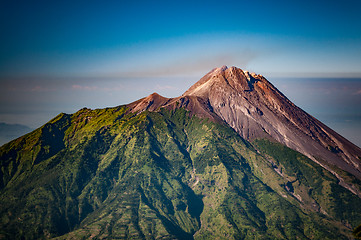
(231, 158)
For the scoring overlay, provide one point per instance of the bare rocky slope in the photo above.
(210, 164)
(255, 108)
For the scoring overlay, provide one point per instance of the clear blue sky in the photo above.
(65, 38)
(59, 56)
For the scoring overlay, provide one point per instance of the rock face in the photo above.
(210, 164)
(254, 108)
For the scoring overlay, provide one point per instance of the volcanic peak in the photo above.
(107, 174)
(255, 109)
(229, 79)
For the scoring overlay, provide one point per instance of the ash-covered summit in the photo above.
(232, 158)
(254, 108)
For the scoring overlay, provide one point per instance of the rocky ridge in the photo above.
(255, 108)
(210, 164)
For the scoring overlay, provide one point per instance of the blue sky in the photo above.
(59, 56)
(67, 38)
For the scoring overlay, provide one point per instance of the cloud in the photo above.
(39, 88)
(358, 92)
(190, 65)
(86, 88)
(106, 87)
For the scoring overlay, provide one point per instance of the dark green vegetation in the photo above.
(357, 232)
(107, 173)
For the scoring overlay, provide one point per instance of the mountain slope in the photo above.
(255, 108)
(170, 169)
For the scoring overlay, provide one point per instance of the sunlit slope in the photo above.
(109, 173)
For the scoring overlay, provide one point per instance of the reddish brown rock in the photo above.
(254, 108)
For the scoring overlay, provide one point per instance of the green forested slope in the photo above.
(107, 173)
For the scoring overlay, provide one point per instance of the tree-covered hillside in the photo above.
(108, 173)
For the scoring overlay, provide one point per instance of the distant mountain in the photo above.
(232, 158)
(9, 132)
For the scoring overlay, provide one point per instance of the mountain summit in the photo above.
(231, 158)
(254, 108)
